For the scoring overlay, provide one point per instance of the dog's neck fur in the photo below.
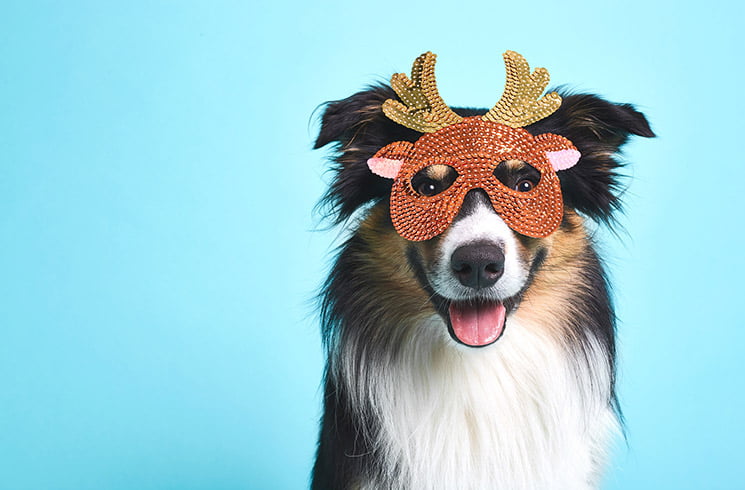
(528, 412)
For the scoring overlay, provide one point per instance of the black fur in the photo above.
(358, 129)
(343, 453)
(598, 129)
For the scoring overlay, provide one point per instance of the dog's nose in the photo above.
(478, 265)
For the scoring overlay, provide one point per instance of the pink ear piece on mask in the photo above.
(385, 167)
(563, 159)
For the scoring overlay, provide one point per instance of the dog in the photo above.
(480, 357)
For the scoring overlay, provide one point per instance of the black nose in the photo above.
(478, 265)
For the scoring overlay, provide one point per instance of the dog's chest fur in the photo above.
(525, 413)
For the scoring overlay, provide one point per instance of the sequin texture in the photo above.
(474, 147)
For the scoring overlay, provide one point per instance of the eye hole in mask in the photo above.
(433, 179)
(517, 175)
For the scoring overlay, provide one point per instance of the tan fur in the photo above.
(388, 263)
(438, 172)
(513, 165)
(549, 300)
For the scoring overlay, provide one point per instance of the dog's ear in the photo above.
(598, 129)
(358, 128)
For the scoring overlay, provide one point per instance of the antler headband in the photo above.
(472, 147)
(424, 110)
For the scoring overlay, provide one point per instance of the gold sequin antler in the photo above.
(520, 104)
(422, 109)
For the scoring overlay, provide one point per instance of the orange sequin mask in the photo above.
(473, 147)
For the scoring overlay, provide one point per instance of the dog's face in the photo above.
(478, 270)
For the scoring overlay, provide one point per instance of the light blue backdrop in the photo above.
(157, 264)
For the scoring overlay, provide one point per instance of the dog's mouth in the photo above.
(478, 323)
(475, 322)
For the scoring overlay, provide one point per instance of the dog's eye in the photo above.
(524, 186)
(433, 179)
(428, 188)
(517, 175)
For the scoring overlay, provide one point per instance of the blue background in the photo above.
(157, 253)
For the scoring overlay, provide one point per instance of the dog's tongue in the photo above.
(477, 324)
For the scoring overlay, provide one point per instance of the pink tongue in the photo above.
(477, 324)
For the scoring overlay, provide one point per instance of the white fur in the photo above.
(520, 414)
(482, 225)
(526, 413)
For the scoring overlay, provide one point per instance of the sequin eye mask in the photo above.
(432, 176)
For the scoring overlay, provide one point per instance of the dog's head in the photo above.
(477, 223)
